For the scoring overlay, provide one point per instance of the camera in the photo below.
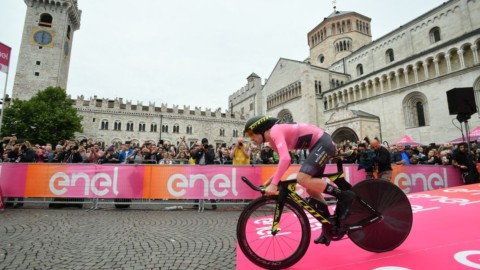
(240, 144)
(205, 145)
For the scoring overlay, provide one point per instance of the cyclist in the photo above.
(285, 137)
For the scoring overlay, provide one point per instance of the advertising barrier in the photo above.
(183, 181)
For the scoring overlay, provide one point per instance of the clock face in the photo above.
(42, 37)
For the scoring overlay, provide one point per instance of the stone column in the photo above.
(397, 78)
(462, 60)
(389, 78)
(425, 69)
(449, 65)
(475, 53)
(415, 73)
(374, 88)
(381, 85)
(405, 74)
(437, 69)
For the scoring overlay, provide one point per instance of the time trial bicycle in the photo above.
(274, 231)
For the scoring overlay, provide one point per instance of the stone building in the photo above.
(44, 61)
(354, 86)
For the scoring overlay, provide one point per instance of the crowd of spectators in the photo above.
(69, 151)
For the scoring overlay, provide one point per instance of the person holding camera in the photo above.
(240, 153)
(95, 154)
(204, 154)
(365, 159)
(111, 156)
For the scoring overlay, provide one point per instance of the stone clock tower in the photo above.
(47, 39)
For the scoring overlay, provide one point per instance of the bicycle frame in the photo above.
(287, 188)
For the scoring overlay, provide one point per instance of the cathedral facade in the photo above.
(355, 87)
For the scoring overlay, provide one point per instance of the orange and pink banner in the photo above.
(183, 181)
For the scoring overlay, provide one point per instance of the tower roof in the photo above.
(338, 13)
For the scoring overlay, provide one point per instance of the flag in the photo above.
(4, 57)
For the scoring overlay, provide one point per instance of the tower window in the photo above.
(37, 73)
(321, 58)
(435, 35)
(45, 20)
(69, 30)
(359, 69)
(390, 57)
(38, 63)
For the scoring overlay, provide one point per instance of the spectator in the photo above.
(95, 154)
(111, 156)
(382, 160)
(13, 155)
(136, 156)
(126, 151)
(365, 159)
(445, 157)
(224, 157)
(58, 155)
(182, 158)
(166, 158)
(466, 162)
(240, 153)
(72, 155)
(400, 157)
(204, 155)
(432, 158)
(267, 154)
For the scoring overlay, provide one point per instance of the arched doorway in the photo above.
(344, 133)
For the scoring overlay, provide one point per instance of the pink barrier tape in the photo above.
(184, 181)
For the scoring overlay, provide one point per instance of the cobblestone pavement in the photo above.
(35, 237)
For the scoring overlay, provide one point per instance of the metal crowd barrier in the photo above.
(97, 203)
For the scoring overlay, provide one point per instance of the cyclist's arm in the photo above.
(280, 145)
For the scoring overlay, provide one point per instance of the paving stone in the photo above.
(35, 237)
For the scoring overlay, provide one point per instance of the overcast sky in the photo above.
(191, 52)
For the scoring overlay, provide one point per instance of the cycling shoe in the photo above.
(344, 203)
(322, 239)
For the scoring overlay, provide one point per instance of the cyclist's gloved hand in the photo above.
(271, 189)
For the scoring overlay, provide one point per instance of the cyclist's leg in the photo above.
(312, 169)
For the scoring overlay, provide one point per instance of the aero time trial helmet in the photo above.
(259, 124)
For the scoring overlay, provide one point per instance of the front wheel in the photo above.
(269, 251)
(392, 203)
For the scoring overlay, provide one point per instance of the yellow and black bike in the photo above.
(274, 231)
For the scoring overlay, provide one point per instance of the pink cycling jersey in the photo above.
(285, 137)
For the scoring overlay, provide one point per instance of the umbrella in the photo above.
(406, 140)
(474, 136)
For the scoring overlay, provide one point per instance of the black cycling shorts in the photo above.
(320, 154)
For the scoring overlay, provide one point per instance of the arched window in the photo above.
(321, 58)
(46, 20)
(235, 133)
(141, 126)
(189, 129)
(435, 35)
(415, 109)
(285, 116)
(104, 125)
(165, 128)
(117, 125)
(420, 114)
(222, 132)
(176, 128)
(153, 127)
(359, 69)
(389, 55)
(130, 126)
